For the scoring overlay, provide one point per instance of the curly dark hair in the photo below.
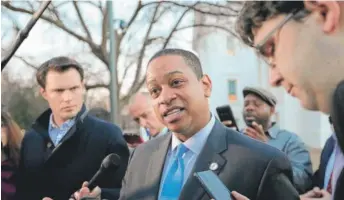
(59, 64)
(254, 13)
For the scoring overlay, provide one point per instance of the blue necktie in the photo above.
(173, 183)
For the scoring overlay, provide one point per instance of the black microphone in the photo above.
(110, 162)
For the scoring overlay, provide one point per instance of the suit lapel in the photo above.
(216, 143)
(156, 164)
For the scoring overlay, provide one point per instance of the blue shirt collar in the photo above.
(65, 126)
(197, 141)
(274, 130)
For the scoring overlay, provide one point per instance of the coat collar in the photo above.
(211, 153)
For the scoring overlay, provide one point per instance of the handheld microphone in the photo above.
(110, 162)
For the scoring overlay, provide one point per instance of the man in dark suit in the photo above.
(163, 167)
(326, 153)
(302, 42)
(322, 177)
(65, 146)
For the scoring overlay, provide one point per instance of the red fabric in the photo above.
(329, 185)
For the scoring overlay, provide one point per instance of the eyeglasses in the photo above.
(260, 47)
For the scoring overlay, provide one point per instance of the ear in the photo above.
(43, 93)
(207, 86)
(272, 110)
(330, 10)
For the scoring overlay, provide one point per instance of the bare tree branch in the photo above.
(59, 24)
(53, 9)
(33, 66)
(126, 98)
(133, 54)
(82, 21)
(93, 3)
(94, 86)
(104, 30)
(217, 13)
(154, 39)
(136, 84)
(208, 26)
(177, 24)
(227, 7)
(136, 12)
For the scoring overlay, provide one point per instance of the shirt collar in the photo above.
(197, 141)
(67, 124)
(162, 132)
(334, 137)
(274, 130)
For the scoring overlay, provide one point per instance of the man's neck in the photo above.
(189, 133)
(58, 121)
(268, 125)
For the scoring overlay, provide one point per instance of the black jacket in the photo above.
(337, 114)
(57, 172)
(319, 175)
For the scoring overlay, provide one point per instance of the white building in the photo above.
(232, 66)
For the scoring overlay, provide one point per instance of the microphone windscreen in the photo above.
(111, 161)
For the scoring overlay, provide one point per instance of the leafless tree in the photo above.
(131, 48)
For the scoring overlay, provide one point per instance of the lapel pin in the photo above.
(213, 166)
(49, 145)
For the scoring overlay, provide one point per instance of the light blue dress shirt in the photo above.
(57, 133)
(329, 169)
(297, 153)
(195, 145)
(338, 164)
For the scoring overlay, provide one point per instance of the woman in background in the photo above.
(11, 137)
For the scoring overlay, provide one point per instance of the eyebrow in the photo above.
(58, 88)
(166, 75)
(172, 73)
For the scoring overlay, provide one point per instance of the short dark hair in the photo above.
(254, 13)
(190, 59)
(59, 64)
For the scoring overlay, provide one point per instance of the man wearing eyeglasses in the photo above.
(303, 43)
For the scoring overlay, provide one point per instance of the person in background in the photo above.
(11, 137)
(322, 177)
(100, 113)
(259, 107)
(141, 110)
(65, 146)
(302, 42)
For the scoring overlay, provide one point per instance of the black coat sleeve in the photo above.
(113, 180)
(24, 180)
(277, 181)
(21, 190)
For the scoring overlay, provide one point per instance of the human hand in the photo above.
(256, 132)
(238, 196)
(85, 192)
(316, 194)
(227, 123)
